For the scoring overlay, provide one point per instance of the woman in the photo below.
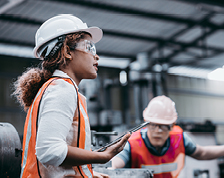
(56, 140)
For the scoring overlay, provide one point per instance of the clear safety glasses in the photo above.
(153, 126)
(86, 46)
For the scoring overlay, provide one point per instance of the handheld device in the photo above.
(119, 138)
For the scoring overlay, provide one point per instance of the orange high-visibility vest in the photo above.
(31, 167)
(168, 165)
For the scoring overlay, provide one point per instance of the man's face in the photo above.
(158, 134)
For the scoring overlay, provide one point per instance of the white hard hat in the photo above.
(160, 110)
(61, 25)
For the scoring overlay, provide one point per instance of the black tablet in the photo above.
(119, 138)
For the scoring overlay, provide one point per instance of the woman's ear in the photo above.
(67, 53)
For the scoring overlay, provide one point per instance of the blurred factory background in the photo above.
(149, 48)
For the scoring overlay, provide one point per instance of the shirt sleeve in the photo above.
(189, 145)
(125, 155)
(55, 118)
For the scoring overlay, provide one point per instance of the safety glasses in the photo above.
(153, 126)
(86, 46)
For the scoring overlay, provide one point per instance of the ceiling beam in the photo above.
(160, 40)
(129, 36)
(209, 2)
(182, 48)
(202, 22)
(141, 13)
(192, 62)
(195, 42)
(18, 19)
(9, 5)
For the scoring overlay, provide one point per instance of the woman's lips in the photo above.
(95, 66)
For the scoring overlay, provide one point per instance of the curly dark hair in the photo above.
(27, 85)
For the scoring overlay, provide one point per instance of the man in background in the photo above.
(161, 146)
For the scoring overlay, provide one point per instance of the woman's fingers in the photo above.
(120, 145)
(125, 139)
(116, 148)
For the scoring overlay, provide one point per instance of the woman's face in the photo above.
(83, 65)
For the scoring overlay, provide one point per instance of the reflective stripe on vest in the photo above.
(29, 160)
(85, 169)
(88, 134)
(167, 165)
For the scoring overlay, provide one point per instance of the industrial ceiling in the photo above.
(171, 32)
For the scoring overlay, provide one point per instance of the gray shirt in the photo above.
(125, 155)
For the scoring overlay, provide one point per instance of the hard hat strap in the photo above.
(57, 46)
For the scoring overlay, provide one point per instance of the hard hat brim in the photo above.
(95, 32)
(157, 120)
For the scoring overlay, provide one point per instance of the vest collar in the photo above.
(60, 73)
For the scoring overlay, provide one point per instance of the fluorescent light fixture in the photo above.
(189, 71)
(19, 51)
(217, 74)
(123, 77)
(120, 63)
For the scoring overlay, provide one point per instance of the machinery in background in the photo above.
(11, 155)
(201, 173)
(202, 134)
(10, 151)
(207, 126)
(125, 172)
(99, 138)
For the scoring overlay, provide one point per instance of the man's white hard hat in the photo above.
(160, 110)
(46, 35)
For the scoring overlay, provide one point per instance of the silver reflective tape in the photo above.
(87, 139)
(162, 168)
(87, 129)
(28, 135)
(87, 171)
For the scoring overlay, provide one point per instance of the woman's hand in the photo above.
(77, 156)
(111, 151)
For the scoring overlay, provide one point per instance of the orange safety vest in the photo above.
(166, 166)
(30, 164)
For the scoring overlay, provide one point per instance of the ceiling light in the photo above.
(188, 71)
(123, 77)
(120, 63)
(217, 74)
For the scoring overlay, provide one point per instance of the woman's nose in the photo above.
(97, 57)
